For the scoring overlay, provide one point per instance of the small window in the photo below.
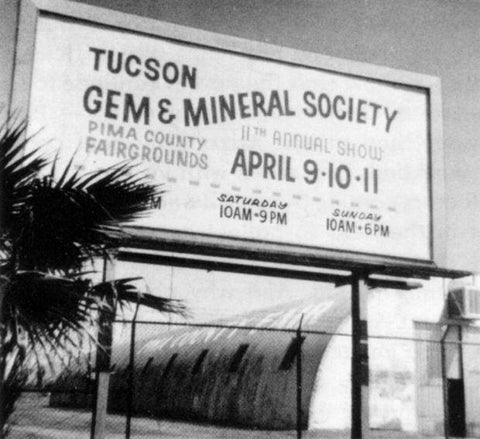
(291, 354)
(169, 365)
(237, 358)
(198, 364)
(147, 366)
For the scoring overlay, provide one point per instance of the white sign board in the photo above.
(247, 148)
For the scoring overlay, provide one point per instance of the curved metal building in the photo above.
(232, 376)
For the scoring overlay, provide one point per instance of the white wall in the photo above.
(392, 362)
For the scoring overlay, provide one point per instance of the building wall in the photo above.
(430, 410)
(406, 392)
(471, 370)
(392, 358)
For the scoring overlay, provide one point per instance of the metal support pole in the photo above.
(461, 373)
(446, 428)
(360, 370)
(299, 341)
(131, 389)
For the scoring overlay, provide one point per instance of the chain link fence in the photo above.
(179, 380)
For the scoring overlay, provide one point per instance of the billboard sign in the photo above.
(248, 148)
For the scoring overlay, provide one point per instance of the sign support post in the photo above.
(360, 372)
(299, 340)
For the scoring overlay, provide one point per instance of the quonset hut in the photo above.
(232, 376)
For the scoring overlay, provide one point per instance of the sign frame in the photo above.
(185, 242)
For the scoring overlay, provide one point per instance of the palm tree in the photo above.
(52, 224)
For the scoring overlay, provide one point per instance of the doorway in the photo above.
(456, 408)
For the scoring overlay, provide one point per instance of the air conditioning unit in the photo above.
(464, 302)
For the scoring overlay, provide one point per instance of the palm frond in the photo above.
(121, 190)
(62, 228)
(125, 291)
(58, 222)
(15, 379)
(76, 218)
(51, 304)
(18, 169)
(46, 318)
(50, 315)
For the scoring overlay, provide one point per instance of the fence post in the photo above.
(102, 363)
(360, 369)
(131, 373)
(299, 340)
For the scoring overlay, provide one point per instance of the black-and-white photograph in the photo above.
(239, 219)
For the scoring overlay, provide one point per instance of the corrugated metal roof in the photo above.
(239, 379)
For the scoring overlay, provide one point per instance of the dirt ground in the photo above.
(34, 419)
